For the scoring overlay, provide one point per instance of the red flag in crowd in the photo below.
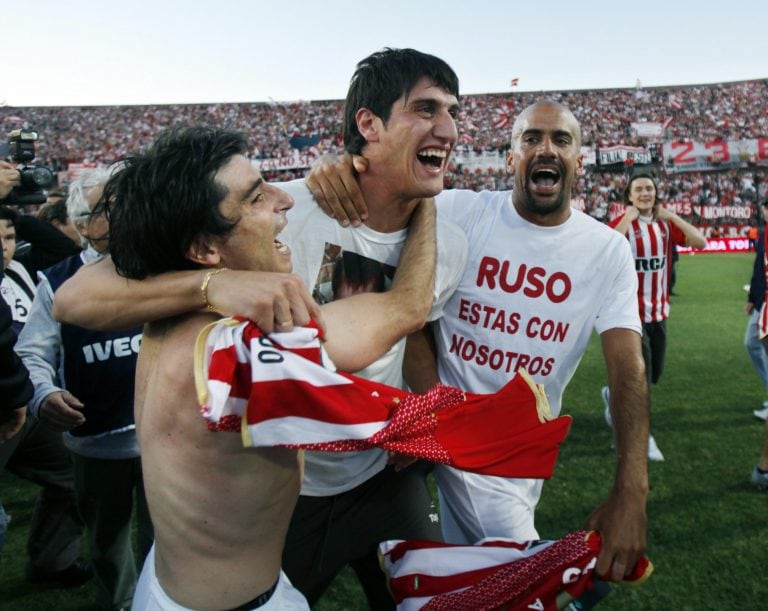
(502, 119)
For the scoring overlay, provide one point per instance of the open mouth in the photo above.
(545, 180)
(433, 158)
(282, 248)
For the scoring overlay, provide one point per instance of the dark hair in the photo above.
(162, 199)
(633, 178)
(56, 211)
(9, 214)
(382, 78)
(357, 274)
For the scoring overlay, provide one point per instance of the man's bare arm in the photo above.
(363, 327)
(621, 519)
(333, 183)
(96, 297)
(420, 363)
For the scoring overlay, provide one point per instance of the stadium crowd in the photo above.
(728, 111)
(297, 132)
(288, 137)
(302, 130)
(102, 134)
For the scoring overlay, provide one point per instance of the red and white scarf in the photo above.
(279, 391)
(494, 573)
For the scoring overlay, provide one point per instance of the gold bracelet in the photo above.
(204, 285)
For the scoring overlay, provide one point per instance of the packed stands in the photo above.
(711, 141)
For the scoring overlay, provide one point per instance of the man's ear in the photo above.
(203, 251)
(511, 162)
(368, 124)
(580, 165)
(81, 228)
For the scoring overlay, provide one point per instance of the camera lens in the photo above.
(36, 177)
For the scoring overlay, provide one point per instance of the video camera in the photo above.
(34, 178)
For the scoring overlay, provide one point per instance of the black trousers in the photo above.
(654, 349)
(327, 533)
(37, 454)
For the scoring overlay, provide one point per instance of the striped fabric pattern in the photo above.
(494, 573)
(281, 390)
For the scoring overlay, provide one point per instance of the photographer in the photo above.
(15, 388)
(30, 449)
(23, 185)
(46, 244)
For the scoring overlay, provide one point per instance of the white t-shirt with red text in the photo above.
(335, 261)
(530, 297)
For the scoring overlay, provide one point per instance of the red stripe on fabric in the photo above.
(637, 238)
(656, 291)
(638, 250)
(224, 367)
(520, 582)
(343, 404)
(222, 364)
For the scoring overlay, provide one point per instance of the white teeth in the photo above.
(434, 153)
(281, 247)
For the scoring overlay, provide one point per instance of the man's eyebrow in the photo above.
(532, 131)
(421, 100)
(254, 186)
(538, 132)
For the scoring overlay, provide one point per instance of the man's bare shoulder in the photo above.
(177, 331)
(165, 369)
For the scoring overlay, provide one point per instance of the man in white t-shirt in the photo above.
(540, 276)
(400, 112)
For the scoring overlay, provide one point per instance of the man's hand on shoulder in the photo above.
(664, 214)
(631, 213)
(275, 302)
(333, 183)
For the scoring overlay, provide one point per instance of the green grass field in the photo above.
(708, 528)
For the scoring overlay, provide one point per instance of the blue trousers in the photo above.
(755, 349)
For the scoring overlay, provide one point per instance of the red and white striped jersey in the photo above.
(651, 242)
(495, 573)
(276, 390)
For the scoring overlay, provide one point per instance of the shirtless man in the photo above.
(221, 511)
(400, 112)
